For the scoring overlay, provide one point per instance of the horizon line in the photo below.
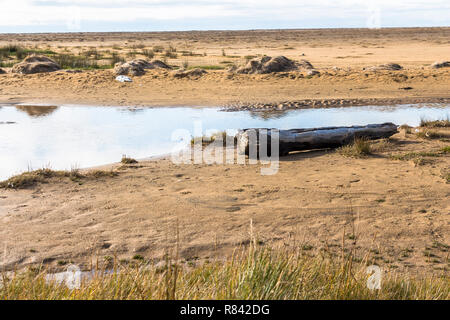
(228, 30)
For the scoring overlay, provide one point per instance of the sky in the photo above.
(17, 16)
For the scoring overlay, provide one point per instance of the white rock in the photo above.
(123, 78)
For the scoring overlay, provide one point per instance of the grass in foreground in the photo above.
(254, 274)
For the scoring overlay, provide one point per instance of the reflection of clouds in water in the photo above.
(74, 137)
(89, 136)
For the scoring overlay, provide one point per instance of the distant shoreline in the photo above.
(220, 30)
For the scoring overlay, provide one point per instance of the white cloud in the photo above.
(65, 12)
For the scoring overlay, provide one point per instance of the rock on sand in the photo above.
(387, 66)
(35, 64)
(137, 67)
(440, 64)
(268, 65)
(189, 73)
(2, 71)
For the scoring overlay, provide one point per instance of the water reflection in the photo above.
(269, 114)
(37, 111)
(81, 136)
(131, 109)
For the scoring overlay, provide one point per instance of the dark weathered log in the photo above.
(314, 138)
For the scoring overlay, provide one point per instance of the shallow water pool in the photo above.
(68, 136)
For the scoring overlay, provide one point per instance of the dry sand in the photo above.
(340, 56)
(400, 210)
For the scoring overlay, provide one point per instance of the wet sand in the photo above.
(392, 210)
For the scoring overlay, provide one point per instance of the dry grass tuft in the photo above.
(28, 179)
(423, 154)
(382, 145)
(360, 148)
(431, 134)
(127, 160)
(435, 123)
(31, 178)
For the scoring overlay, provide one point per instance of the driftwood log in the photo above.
(314, 138)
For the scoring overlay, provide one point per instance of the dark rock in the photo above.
(269, 65)
(440, 64)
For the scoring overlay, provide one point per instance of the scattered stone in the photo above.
(2, 71)
(35, 64)
(312, 72)
(137, 67)
(440, 64)
(387, 66)
(233, 209)
(268, 64)
(182, 73)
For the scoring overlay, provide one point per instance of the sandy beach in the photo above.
(395, 211)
